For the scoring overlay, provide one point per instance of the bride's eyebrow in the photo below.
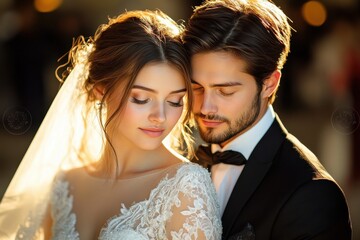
(155, 91)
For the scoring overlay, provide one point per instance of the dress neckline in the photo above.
(137, 205)
(132, 206)
(84, 172)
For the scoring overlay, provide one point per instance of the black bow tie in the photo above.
(207, 158)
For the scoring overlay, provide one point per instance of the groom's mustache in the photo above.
(213, 117)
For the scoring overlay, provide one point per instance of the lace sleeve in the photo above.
(195, 210)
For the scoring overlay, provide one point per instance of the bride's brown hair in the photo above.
(120, 49)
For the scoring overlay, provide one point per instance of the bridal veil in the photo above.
(69, 126)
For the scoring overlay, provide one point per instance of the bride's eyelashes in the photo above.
(176, 104)
(142, 102)
(139, 101)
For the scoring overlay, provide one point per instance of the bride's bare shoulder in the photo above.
(75, 175)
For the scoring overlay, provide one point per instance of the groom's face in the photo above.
(227, 100)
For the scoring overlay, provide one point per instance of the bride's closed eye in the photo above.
(176, 104)
(139, 101)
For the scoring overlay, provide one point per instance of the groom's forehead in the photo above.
(215, 77)
(217, 64)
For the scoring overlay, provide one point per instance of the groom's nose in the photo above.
(208, 105)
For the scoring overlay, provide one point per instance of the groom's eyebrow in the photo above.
(226, 84)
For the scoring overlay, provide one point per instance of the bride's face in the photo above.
(153, 108)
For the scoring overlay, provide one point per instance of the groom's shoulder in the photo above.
(299, 160)
(297, 169)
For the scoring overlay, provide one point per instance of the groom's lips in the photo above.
(210, 123)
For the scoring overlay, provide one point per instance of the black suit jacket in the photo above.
(284, 192)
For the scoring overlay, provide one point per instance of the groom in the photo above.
(276, 188)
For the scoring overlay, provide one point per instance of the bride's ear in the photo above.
(98, 91)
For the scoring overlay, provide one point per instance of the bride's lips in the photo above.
(210, 123)
(152, 132)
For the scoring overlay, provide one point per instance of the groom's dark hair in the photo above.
(257, 31)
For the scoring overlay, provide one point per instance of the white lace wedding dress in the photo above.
(181, 206)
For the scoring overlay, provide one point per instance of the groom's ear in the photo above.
(271, 84)
(98, 91)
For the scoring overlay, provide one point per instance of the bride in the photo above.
(103, 164)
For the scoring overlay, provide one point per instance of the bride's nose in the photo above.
(157, 113)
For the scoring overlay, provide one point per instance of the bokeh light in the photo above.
(314, 13)
(47, 5)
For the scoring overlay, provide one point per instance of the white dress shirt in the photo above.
(224, 175)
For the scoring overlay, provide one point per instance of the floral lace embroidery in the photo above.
(150, 218)
(64, 219)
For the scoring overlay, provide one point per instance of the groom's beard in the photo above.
(246, 119)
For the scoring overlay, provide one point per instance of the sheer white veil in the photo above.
(58, 144)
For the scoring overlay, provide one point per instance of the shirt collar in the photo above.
(246, 142)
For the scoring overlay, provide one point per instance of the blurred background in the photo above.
(318, 100)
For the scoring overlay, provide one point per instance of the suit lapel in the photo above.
(254, 171)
